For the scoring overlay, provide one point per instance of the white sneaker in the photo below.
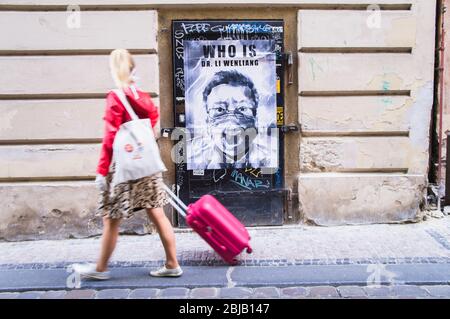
(166, 272)
(90, 271)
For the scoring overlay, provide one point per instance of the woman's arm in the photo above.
(153, 115)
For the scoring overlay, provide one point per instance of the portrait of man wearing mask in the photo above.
(231, 138)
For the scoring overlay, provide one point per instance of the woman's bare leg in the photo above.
(165, 231)
(109, 240)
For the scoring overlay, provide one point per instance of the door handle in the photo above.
(291, 128)
(289, 59)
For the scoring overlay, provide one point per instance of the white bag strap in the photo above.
(125, 103)
(175, 201)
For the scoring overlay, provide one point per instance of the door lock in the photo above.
(166, 131)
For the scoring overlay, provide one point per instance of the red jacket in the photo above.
(115, 115)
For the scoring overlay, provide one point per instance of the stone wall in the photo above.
(54, 79)
(365, 101)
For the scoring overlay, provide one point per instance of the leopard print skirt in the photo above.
(129, 197)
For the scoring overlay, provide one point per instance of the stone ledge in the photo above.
(56, 211)
(339, 199)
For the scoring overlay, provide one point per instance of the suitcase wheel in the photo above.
(249, 250)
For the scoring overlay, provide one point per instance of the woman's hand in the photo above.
(100, 182)
(157, 132)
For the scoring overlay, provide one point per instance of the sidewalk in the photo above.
(421, 242)
(306, 261)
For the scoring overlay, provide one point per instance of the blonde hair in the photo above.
(122, 65)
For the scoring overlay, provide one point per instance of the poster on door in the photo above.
(231, 103)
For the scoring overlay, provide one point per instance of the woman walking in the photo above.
(126, 198)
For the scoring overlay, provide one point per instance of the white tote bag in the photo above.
(135, 150)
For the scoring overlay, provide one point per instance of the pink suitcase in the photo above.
(215, 224)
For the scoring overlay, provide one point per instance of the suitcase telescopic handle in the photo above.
(176, 202)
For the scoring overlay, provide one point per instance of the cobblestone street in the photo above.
(407, 260)
(316, 292)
